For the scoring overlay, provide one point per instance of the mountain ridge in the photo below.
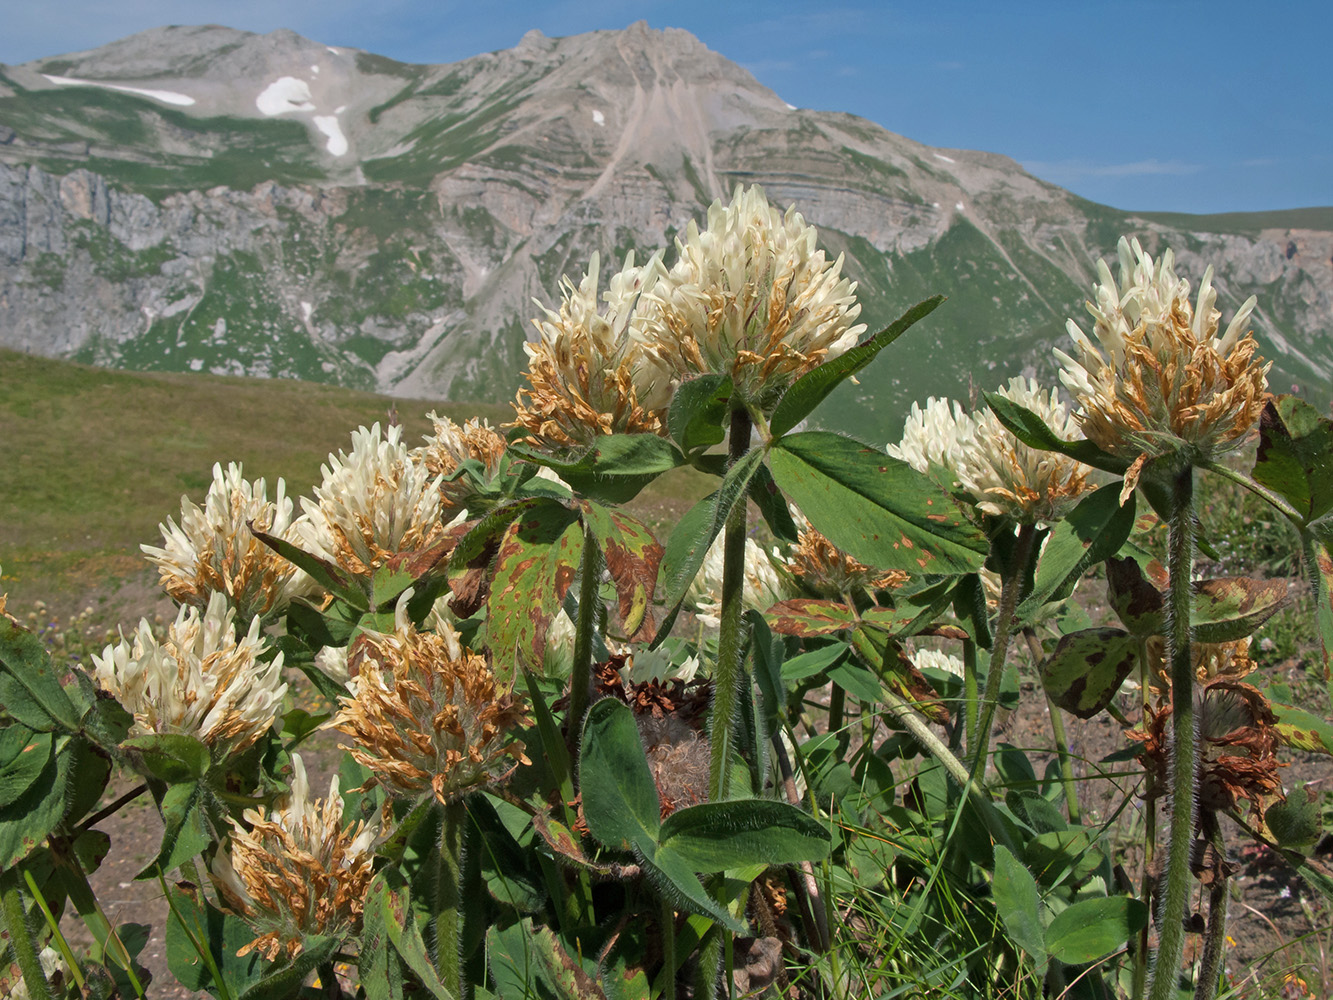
(386, 225)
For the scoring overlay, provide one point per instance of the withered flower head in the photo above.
(587, 375)
(450, 446)
(212, 550)
(294, 871)
(373, 504)
(202, 681)
(427, 714)
(824, 569)
(1167, 383)
(752, 297)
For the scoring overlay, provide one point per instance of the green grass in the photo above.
(95, 459)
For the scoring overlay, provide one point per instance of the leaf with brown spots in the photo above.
(1138, 603)
(809, 617)
(534, 568)
(524, 957)
(1295, 456)
(875, 508)
(1087, 668)
(632, 556)
(1232, 607)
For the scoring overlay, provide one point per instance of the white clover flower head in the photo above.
(202, 681)
(587, 375)
(763, 586)
(1167, 383)
(213, 550)
(934, 435)
(294, 870)
(373, 504)
(1011, 479)
(750, 296)
(937, 660)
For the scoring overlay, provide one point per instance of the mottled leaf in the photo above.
(1087, 668)
(632, 557)
(1232, 607)
(1295, 456)
(1300, 729)
(1092, 531)
(813, 387)
(1137, 602)
(1093, 928)
(875, 508)
(537, 561)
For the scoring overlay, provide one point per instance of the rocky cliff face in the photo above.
(206, 199)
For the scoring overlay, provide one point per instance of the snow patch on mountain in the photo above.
(165, 96)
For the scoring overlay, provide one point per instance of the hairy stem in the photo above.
(1013, 581)
(1140, 980)
(449, 898)
(1176, 888)
(971, 692)
(726, 673)
(580, 676)
(1067, 778)
(20, 936)
(1215, 936)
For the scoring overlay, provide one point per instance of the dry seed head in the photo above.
(213, 551)
(1170, 383)
(202, 681)
(294, 871)
(587, 374)
(752, 297)
(373, 504)
(426, 714)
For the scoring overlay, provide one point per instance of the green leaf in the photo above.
(813, 662)
(1058, 856)
(1296, 822)
(694, 533)
(391, 901)
(768, 670)
(386, 586)
(1094, 928)
(616, 468)
(773, 506)
(29, 818)
(717, 836)
(525, 957)
(30, 690)
(184, 833)
(875, 508)
(857, 680)
(632, 557)
(191, 927)
(1295, 457)
(619, 796)
(814, 386)
(1034, 432)
(534, 568)
(1019, 905)
(1092, 531)
(330, 576)
(285, 981)
(171, 757)
(1087, 668)
(24, 755)
(674, 877)
(699, 411)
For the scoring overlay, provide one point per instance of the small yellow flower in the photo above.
(294, 871)
(1167, 384)
(427, 714)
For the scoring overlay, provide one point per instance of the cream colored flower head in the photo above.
(453, 444)
(750, 296)
(934, 659)
(1160, 380)
(212, 549)
(763, 586)
(427, 714)
(202, 681)
(373, 504)
(294, 871)
(587, 376)
(1005, 477)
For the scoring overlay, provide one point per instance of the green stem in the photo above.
(726, 674)
(837, 707)
(448, 897)
(1067, 777)
(1175, 893)
(580, 675)
(1215, 936)
(971, 691)
(328, 981)
(54, 925)
(1013, 581)
(1149, 828)
(1278, 502)
(668, 920)
(20, 936)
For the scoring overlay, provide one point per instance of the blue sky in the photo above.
(1172, 106)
